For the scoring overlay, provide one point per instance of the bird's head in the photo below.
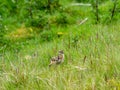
(61, 52)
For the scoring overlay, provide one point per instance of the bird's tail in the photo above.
(50, 63)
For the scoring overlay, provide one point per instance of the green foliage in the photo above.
(91, 1)
(3, 29)
(47, 35)
(106, 12)
(62, 19)
(39, 20)
(43, 15)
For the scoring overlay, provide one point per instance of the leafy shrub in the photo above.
(47, 35)
(41, 22)
(2, 32)
(63, 19)
(105, 11)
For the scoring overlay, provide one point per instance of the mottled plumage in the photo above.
(57, 59)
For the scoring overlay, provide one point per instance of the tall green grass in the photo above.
(96, 56)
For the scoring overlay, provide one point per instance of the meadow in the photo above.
(92, 53)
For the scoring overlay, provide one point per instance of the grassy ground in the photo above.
(91, 61)
(92, 52)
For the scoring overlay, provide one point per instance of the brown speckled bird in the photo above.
(57, 59)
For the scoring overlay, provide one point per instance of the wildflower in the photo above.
(60, 34)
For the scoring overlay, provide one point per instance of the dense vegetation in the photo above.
(32, 31)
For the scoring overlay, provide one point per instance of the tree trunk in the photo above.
(113, 10)
(97, 12)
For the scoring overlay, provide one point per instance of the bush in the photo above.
(47, 35)
(40, 23)
(64, 19)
